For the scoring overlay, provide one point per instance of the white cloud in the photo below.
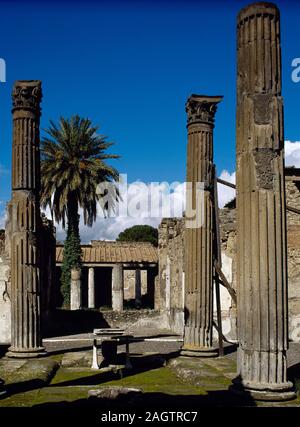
(163, 204)
(2, 219)
(110, 228)
(292, 158)
(155, 201)
(226, 194)
(292, 153)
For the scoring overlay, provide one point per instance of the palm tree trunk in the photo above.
(72, 248)
(73, 217)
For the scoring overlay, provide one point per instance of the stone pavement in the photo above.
(65, 377)
(150, 340)
(23, 374)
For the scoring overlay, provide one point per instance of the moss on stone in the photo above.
(159, 380)
(72, 374)
(14, 371)
(73, 384)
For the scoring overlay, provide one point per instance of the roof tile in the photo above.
(112, 252)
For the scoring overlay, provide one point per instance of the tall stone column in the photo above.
(76, 294)
(199, 240)
(26, 340)
(117, 287)
(261, 222)
(138, 288)
(91, 288)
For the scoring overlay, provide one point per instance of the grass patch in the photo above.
(161, 380)
(72, 374)
(57, 357)
(72, 384)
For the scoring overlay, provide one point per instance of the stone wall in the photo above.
(171, 253)
(292, 191)
(5, 306)
(2, 241)
(227, 218)
(129, 284)
(228, 241)
(48, 268)
(136, 321)
(170, 295)
(293, 245)
(171, 269)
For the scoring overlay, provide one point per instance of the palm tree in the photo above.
(73, 164)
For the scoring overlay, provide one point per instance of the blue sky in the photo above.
(130, 66)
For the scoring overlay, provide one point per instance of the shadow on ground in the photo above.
(140, 363)
(162, 399)
(157, 401)
(66, 322)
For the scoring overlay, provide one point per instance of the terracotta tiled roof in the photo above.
(112, 252)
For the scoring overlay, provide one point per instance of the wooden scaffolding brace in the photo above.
(219, 276)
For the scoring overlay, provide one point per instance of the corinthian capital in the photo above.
(27, 95)
(202, 109)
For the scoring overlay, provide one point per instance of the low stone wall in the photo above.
(129, 284)
(171, 272)
(136, 321)
(293, 243)
(292, 196)
(5, 306)
(2, 241)
(47, 270)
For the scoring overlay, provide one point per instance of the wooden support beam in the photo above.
(228, 184)
(225, 282)
(291, 209)
(218, 260)
(219, 316)
(223, 336)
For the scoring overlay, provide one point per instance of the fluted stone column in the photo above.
(199, 240)
(261, 222)
(117, 287)
(76, 294)
(91, 288)
(26, 340)
(138, 288)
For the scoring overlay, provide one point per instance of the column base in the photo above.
(26, 353)
(191, 351)
(264, 392)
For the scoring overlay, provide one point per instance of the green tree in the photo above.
(139, 233)
(73, 164)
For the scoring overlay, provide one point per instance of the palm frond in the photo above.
(73, 164)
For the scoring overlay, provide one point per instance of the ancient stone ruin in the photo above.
(26, 339)
(171, 253)
(261, 217)
(257, 240)
(199, 239)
